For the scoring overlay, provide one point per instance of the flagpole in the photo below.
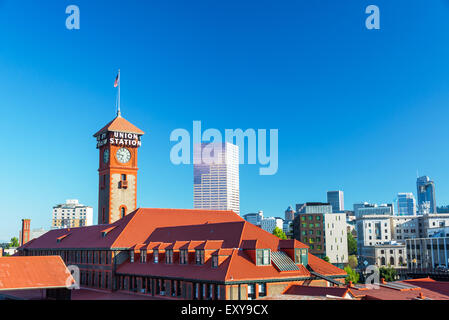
(119, 113)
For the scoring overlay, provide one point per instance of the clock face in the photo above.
(106, 156)
(123, 155)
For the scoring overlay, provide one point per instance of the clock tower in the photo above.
(117, 143)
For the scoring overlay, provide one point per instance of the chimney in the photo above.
(421, 296)
(383, 281)
(351, 285)
(25, 231)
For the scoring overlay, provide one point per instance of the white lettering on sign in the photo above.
(119, 139)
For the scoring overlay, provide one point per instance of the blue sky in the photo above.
(358, 110)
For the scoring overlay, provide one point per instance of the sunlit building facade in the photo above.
(216, 177)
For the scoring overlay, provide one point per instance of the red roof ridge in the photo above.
(234, 250)
(59, 239)
(132, 215)
(108, 229)
(242, 233)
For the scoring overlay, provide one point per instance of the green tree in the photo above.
(14, 242)
(352, 245)
(352, 261)
(326, 258)
(387, 273)
(352, 275)
(279, 233)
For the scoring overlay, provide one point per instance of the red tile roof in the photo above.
(120, 124)
(133, 229)
(423, 288)
(17, 273)
(322, 267)
(313, 291)
(224, 231)
(440, 288)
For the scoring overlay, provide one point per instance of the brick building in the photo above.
(185, 254)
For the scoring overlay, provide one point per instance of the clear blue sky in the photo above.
(356, 110)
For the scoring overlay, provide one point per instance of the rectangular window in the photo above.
(183, 256)
(199, 256)
(262, 289)
(143, 256)
(131, 256)
(167, 256)
(156, 255)
(215, 262)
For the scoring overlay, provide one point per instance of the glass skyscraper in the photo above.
(426, 193)
(336, 200)
(406, 204)
(216, 177)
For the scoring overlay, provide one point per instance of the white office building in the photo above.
(372, 230)
(269, 224)
(71, 214)
(254, 218)
(406, 227)
(216, 177)
(363, 209)
(336, 238)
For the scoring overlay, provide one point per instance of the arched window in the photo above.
(401, 261)
(382, 261)
(122, 212)
(392, 261)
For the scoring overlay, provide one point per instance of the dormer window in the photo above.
(263, 257)
(183, 256)
(156, 256)
(131, 256)
(301, 257)
(215, 262)
(143, 256)
(199, 257)
(169, 256)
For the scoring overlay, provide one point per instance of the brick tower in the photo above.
(26, 225)
(118, 143)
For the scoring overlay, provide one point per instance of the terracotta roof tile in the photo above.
(33, 273)
(133, 229)
(301, 290)
(120, 124)
(325, 268)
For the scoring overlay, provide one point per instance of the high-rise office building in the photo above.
(216, 176)
(336, 200)
(406, 204)
(71, 214)
(426, 193)
(289, 214)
